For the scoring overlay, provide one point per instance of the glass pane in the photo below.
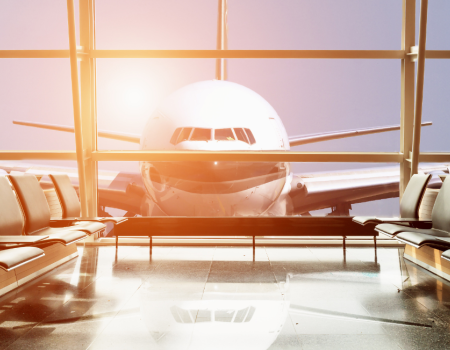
(250, 136)
(436, 107)
(184, 135)
(315, 24)
(331, 96)
(223, 135)
(327, 96)
(252, 24)
(163, 25)
(240, 134)
(200, 134)
(173, 140)
(34, 25)
(35, 91)
(438, 25)
(130, 93)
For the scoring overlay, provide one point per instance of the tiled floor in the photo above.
(218, 298)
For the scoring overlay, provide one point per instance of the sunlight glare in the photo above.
(134, 97)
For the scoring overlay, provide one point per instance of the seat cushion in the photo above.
(12, 258)
(89, 227)
(65, 235)
(114, 220)
(418, 240)
(392, 229)
(362, 220)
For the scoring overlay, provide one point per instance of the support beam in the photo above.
(222, 39)
(76, 109)
(242, 54)
(254, 246)
(419, 87)
(87, 78)
(247, 156)
(407, 92)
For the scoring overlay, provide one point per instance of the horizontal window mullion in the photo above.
(237, 54)
(247, 156)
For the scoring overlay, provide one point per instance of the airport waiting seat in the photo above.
(13, 258)
(409, 208)
(438, 236)
(12, 225)
(36, 210)
(70, 203)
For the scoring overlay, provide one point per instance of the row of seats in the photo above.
(26, 224)
(409, 229)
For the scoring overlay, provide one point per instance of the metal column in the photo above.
(419, 87)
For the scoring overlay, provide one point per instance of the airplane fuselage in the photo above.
(215, 116)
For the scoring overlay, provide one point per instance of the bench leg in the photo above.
(375, 245)
(117, 242)
(253, 248)
(151, 244)
(343, 243)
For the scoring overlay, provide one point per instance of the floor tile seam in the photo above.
(61, 306)
(40, 322)
(112, 318)
(297, 335)
(392, 338)
(116, 261)
(22, 287)
(420, 303)
(428, 309)
(313, 254)
(207, 278)
(56, 310)
(274, 275)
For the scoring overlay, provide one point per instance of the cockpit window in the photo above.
(203, 134)
(250, 136)
(224, 135)
(200, 134)
(173, 140)
(184, 135)
(240, 134)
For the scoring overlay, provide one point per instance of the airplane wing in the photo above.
(101, 133)
(309, 192)
(339, 190)
(334, 135)
(293, 140)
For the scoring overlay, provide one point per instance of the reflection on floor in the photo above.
(218, 298)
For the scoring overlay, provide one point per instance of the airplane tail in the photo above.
(222, 40)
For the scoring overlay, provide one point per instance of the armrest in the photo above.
(62, 222)
(445, 239)
(21, 239)
(364, 220)
(115, 220)
(67, 237)
(13, 258)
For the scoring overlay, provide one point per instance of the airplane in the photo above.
(219, 115)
